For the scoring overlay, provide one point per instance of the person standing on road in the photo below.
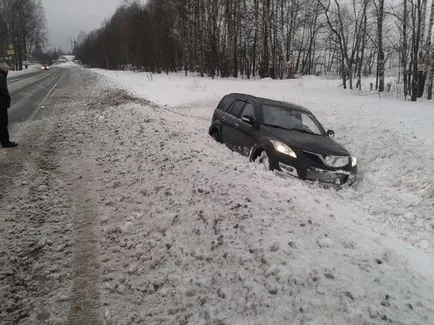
(5, 103)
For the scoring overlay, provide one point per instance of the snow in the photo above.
(66, 64)
(171, 227)
(208, 231)
(280, 250)
(31, 68)
(393, 139)
(68, 57)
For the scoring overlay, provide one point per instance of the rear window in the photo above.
(225, 103)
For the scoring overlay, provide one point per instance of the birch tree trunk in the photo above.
(417, 29)
(422, 51)
(265, 66)
(380, 58)
(404, 49)
(429, 54)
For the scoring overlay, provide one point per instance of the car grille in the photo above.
(330, 161)
(312, 156)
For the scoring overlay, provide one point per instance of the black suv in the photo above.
(283, 136)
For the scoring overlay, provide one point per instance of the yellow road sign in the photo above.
(11, 50)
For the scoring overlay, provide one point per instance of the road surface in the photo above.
(30, 91)
(47, 239)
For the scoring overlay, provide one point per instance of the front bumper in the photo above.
(338, 177)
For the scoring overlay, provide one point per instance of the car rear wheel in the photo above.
(215, 135)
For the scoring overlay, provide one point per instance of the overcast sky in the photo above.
(66, 18)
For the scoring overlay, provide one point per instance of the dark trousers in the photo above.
(4, 134)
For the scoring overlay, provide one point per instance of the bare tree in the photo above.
(380, 56)
(361, 49)
(265, 64)
(416, 19)
(404, 53)
(340, 22)
(25, 26)
(276, 38)
(429, 55)
(3, 34)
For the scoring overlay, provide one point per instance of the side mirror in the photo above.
(330, 133)
(249, 120)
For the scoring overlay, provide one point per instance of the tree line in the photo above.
(270, 38)
(22, 27)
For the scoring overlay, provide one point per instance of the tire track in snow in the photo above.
(185, 115)
(85, 302)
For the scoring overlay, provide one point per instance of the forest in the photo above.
(279, 39)
(22, 30)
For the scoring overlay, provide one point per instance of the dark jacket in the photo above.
(5, 98)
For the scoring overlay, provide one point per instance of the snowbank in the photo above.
(393, 139)
(30, 69)
(69, 58)
(198, 234)
(66, 64)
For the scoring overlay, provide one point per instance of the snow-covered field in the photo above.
(254, 248)
(162, 225)
(393, 139)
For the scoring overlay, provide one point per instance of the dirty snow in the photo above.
(165, 226)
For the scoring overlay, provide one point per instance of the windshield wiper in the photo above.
(290, 129)
(278, 126)
(305, 131)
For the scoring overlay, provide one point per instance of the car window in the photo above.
(248, 110)
(225, 103)
(236, 108)
(309, 124)
(288, 118)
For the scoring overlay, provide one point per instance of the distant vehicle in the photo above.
(45, 67)
(283, 137)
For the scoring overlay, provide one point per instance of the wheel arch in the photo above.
(216, 127)
(257, 148)
(255, 152)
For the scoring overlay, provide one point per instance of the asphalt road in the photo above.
(29, 92)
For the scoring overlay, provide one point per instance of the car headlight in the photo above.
(283, 148)
(353, 161)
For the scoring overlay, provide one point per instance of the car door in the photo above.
(244, 132)
(225, 122)
(229, 121)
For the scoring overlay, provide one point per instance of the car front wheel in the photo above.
(263, 159)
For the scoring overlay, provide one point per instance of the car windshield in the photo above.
(290, 119)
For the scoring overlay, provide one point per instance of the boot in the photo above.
(9, 145)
